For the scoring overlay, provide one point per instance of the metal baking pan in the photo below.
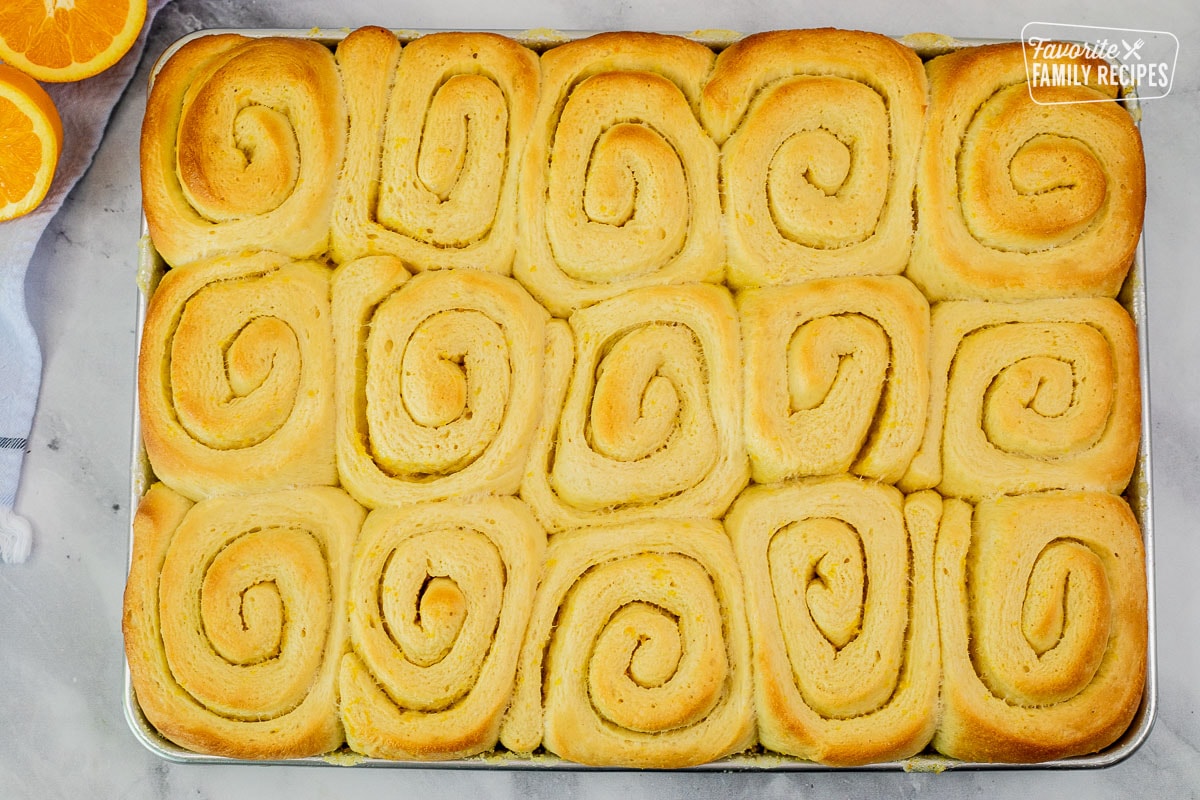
(1139, 494)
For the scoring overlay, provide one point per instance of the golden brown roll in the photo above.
(436, 134)
(440, 594)
(637, 652)
(1030, 396)
(1042, 601)
(1020, 199)
(840, 599)
(234, 619)
(439, 381)
(819, 133)
(837, 377)
(619, 186)
(235, 376)
(241, 146)
(643, 411)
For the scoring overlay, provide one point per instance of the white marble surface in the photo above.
(63, 733)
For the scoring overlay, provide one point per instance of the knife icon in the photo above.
(1132, 49)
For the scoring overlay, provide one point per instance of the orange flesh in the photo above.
(72, 33)
(22, 153)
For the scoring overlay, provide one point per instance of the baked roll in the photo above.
(840, 600)
(636, 653)
(643, 411)
(837, 377)
(235, 386)
(240, 148)
(819, 132)
(1042, 601)
(436, 134)
(439, 381)
(619, 187)
(440, 594)
(1022, 199)
(1030, 396)
(234, 621)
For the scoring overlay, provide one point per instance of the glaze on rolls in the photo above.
(1030, 396)
(1042, 600)
(837, 377)
(765, 400)
(240, 148)
(235, 386)
(1021, 199)
(234, 619)
(437, 129)
(819, 132)
(439, 381)
(619, 188)
(637, 652)
(440, 594)
(643, 411)
(842, 617)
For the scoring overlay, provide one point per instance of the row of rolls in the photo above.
(826, 520)
(626, 160)
(257, 372)
(832, 619)
(636, 403)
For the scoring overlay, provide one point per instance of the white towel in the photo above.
(85, 107)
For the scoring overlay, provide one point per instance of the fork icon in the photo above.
(1132, 50)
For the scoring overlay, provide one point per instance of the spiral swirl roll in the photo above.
(843, 620)
(819, 133)
(643, 411)
(1020, 199)
(619, 189)
(440, 594)
(1042, 600)
(233, 619)
(837, 377)
(436, 134)
(439, 381)
(1030, 396)
(241, 145)
(637, 652)
(235, 376)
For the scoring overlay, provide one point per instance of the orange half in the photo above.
(31, 137)
(68, 40)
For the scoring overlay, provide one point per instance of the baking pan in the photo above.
(1139, 494)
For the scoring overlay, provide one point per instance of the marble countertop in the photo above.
(61, 657)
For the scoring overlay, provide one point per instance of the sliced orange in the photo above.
(31, 137)
(68, 40)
